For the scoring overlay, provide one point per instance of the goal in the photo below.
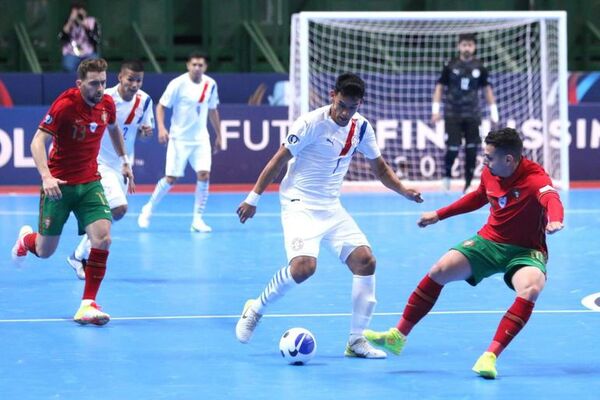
(400, 56)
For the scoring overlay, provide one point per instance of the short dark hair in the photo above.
(133, 65)
(467, 37)
(350, 85)
(197, 54)
(507, 140)
(91, 65)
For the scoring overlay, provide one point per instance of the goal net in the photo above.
(400, 56)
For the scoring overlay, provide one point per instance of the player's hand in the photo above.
(553, 227)
(217, 146)
(163, 135)
(145, 130)
(51, 187)
(435, 118)
(128, 178)
(413, 195)
(428, 218)
(245, 211)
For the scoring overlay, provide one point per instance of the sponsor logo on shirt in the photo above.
(48, 119)
(293, 139)
(516, 193)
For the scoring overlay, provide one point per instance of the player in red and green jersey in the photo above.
(524, 207)
(75, 123)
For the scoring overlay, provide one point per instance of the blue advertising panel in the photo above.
(251, 135)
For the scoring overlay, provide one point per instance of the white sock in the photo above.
(83, 248)
(281, 282)
(161, 189)
(363, 304)
(200, 198)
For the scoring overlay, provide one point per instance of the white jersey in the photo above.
(190, 103)
(322, 153)
(130, 115)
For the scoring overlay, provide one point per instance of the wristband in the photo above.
(435, 107)
(125, 159)
(252, 198)
(494, 112)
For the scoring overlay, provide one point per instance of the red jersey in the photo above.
(77, 129)
(520, 205)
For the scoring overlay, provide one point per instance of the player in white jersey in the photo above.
(319, 148)
(194, 98)
(134, 116)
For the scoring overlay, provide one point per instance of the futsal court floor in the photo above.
(175, 296)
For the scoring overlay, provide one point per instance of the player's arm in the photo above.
(386, 175)
(116, 137)
(215, 120)
(436, 103)
(491, 101)
(163, 133)
(247, 208)
(550, 200)
(50, 184)
(469, 202)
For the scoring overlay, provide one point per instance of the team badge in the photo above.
(297, 244)
(48, 119)
(355, 140)
(476, 73)
(104, 117)
(93, 127)
(468, 243)
(516, 193)
(455, 71)
(502, 201)
(293, 139)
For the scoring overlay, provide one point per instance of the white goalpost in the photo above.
(400, 56)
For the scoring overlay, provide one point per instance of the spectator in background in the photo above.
(80, 36)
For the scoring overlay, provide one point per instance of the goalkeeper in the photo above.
(463, 76)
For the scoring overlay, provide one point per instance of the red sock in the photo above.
(419, 304)
(95, 268)
(29, 242)
(511, 324)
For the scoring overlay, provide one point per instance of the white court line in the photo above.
(319, 315)
(277, 214)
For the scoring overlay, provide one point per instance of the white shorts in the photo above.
(303, 231)
(199, 156)
(114, 186)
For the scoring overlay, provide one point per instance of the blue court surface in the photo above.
(175, 297)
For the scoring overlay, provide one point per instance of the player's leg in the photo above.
(201, 160)
(528, 282)
(94, 218)
(453, 266)
(176, 160)
(302, 232)
(53, 216)
(115, 191)
(473, 140)
(351, 246)
(453, 142)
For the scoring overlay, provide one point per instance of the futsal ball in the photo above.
(298, 346)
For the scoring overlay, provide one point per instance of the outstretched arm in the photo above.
(469, 202)
(555, 211)
(386, 175)
(247, 208)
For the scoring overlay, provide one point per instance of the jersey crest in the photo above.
(93, 126)
(502, 201)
